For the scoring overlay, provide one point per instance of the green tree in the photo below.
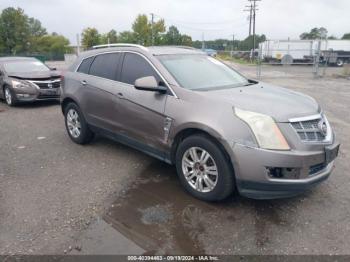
(35, 28)
(143, 30)
(126, 37)
(90, 37)
(173, 36)
(53, 43)
(315, 33)
(14, 31)
(332, 37)
(111, 36)
(186, 40)
(158, 30)
(346, 36)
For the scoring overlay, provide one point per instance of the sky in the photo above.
(277, 19)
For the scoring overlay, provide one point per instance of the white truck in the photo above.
(335, 52)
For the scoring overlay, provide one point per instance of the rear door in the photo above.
(99, 98)
(142, 115)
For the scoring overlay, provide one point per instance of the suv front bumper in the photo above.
(254, 179)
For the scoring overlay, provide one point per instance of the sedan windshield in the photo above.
(200, 72)
(25, 66)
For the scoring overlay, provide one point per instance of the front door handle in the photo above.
(120, 95)
(84, 83)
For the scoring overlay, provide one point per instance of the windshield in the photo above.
(25, 66)
(200, 72)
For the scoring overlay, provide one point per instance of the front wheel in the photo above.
(10, 97)
(204, 169)
(76, 125)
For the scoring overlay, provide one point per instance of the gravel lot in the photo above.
(104, 198)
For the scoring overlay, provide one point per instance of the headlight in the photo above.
(265, 130)
(20, 84)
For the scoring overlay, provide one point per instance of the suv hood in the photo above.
(279, 103)
(36, 75)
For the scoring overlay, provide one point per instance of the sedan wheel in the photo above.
(73, 123)
(8, 96)
(200, 169)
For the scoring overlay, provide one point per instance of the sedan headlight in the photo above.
(20, 84)
(266, 132)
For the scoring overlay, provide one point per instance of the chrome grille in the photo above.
(309, 130)
(48, 84)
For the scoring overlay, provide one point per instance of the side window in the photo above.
(106, 66)
(85, 65)
(135, 67)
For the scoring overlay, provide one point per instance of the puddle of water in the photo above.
(158, 215)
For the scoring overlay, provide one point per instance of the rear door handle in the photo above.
(84, 83)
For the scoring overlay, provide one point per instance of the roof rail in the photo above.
(118, 45)
(184, 47)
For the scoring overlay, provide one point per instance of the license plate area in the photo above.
(49, 92)
(331, 153)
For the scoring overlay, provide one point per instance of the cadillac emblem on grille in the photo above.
(49, 85)
(322, 126)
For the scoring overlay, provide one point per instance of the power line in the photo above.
(183, 25)
(200, 23)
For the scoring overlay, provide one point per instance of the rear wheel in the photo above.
(204, 169)
(76, 125)
(340, 62)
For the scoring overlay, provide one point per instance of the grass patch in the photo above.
(227, 57)
(346, 70)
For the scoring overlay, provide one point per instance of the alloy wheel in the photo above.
(200, 169)
(73, 123)
(8, 96)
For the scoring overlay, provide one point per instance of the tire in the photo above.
(10, 97)
(76, 125)
(340, 62)
(222, 185)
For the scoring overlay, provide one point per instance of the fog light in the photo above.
(23, 95)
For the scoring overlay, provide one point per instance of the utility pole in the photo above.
(250, 10)
(152, 33)
(233, 44)
(254, 9)
(203, 43)
(78, 44)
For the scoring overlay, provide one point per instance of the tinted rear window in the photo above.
(135, 67)
(85, 65)
(106, 66)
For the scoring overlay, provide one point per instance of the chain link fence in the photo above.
(298, 58)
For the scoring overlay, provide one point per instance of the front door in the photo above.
(142, 116)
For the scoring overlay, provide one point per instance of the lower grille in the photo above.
(309, 130)
(41, 96)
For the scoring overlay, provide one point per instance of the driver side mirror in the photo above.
(149, 83)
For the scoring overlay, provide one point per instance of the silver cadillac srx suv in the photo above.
(223, 131)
